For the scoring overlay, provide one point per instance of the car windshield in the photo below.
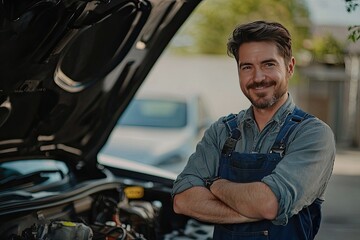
(155, 113)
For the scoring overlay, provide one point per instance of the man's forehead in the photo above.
(258, 46)
(258, 51)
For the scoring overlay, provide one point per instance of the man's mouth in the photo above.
(260, 85)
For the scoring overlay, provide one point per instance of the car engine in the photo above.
(107, 215)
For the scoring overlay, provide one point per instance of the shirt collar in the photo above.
(279, 116)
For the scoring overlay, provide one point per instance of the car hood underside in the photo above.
(68, 69)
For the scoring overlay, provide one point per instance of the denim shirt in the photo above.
(300, 177)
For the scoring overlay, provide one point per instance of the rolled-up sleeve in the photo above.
(304, 172)
(204, 162)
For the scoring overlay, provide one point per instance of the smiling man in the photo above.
(261, 173)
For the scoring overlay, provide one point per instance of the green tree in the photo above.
(213, 21)
(327, 49)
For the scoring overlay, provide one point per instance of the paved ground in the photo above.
(341, 209)
(347, 163)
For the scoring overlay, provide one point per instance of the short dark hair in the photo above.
(260, 31)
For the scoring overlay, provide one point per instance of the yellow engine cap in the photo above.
(68, 224)
(134, 192)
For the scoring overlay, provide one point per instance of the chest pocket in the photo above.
(242, 167)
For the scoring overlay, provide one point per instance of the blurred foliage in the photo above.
(214, 20)
(327, 49)
(354, 33)
(207, 31)
(351, 6)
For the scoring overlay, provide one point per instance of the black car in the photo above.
(68, 69)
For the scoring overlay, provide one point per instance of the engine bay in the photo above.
(105, 215)
(125, 212)
(49, 200)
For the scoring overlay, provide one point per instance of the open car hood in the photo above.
(68, 69)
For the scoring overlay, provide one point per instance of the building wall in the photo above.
(324, 92)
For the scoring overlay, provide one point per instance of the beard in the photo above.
(262, 101)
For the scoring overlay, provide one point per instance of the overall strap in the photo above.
(232, 127)
(291, 122)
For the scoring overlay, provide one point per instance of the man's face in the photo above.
(263, 74)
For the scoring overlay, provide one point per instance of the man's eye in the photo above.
(245, 67)
(269, 64)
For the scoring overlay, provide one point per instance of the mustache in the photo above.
(261, 84)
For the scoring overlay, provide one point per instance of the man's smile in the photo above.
(261, 86)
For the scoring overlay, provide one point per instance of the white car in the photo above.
(159, 128)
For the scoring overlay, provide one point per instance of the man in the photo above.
(260, 174)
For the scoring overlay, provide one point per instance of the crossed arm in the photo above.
(228, 202)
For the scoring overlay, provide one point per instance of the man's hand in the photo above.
(253, 200)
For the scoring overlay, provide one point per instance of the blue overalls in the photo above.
(250, 167)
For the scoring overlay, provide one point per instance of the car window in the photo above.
(155, 113)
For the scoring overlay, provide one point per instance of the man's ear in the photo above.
(291, 66)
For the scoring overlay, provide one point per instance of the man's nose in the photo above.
(259, 75)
